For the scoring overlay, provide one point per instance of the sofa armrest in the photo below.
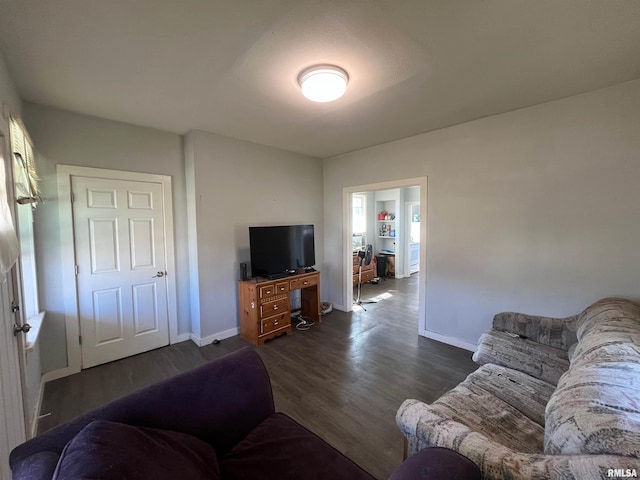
(554, 332)
(219, 402)
(423, 429)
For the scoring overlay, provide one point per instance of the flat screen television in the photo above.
(281, 250)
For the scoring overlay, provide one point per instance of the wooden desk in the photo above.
(265, 304)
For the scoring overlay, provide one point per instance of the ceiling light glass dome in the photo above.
(323, 83)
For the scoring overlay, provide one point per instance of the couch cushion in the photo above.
(536, 359)
(286, 450)
(525, 393)
(109, 450)
(596, 407)
(38, 465)
(477, 404)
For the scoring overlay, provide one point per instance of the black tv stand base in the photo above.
(276, 276)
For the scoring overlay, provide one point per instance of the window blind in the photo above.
(25, 175)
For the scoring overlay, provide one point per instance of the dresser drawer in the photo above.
(368, 276)
(266, 291)
(282, 287)
(365, 268)
(273, 308)
(274, 323)
(303, 282)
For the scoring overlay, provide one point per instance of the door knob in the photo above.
(159, 274)
(23, 328)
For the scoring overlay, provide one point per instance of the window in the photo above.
(359, 219)
(27, 197)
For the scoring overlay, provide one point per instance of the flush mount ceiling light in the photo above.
(323, 83)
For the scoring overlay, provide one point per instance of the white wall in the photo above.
(8, 95)
(412, 194)
(63, 137)
(536, 210)
(237, 184)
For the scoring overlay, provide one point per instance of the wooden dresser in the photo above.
(264, 305)
(368, 271)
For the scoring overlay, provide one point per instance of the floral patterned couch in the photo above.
(553, 398)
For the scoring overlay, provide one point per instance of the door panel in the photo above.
(107, 316)
(103, 245)
(145, 302)
(120, 248)
(142, 244)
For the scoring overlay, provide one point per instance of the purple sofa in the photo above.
(215, 421)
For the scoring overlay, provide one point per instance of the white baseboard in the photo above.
(201, 342)
(37, 407)
(183, 337)
(59, 373)
(342, 308)
(456, 342)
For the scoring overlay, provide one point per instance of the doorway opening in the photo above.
(389, 219)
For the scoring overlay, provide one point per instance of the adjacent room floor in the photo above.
(343, 379)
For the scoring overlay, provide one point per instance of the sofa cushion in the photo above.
(38, 465)
(286, 450)
(476, 404)
(525, 393)
(108, 450)
(596, 407)
(536, 359)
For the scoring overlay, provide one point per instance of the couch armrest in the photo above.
(424, 429)
(219, 402)
(554, 332)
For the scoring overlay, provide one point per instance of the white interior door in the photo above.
(121, 270)
(12, 406)
(12, 422)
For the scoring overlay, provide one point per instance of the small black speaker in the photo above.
(243, 271)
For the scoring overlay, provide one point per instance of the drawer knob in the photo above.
(306, 283)
(275, 307)
(276, 322)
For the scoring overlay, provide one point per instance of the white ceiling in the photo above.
(230, 66)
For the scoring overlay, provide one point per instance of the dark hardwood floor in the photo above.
(344, 379)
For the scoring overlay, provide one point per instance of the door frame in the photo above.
(407, 235)
(67, 238)
(347, 260)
